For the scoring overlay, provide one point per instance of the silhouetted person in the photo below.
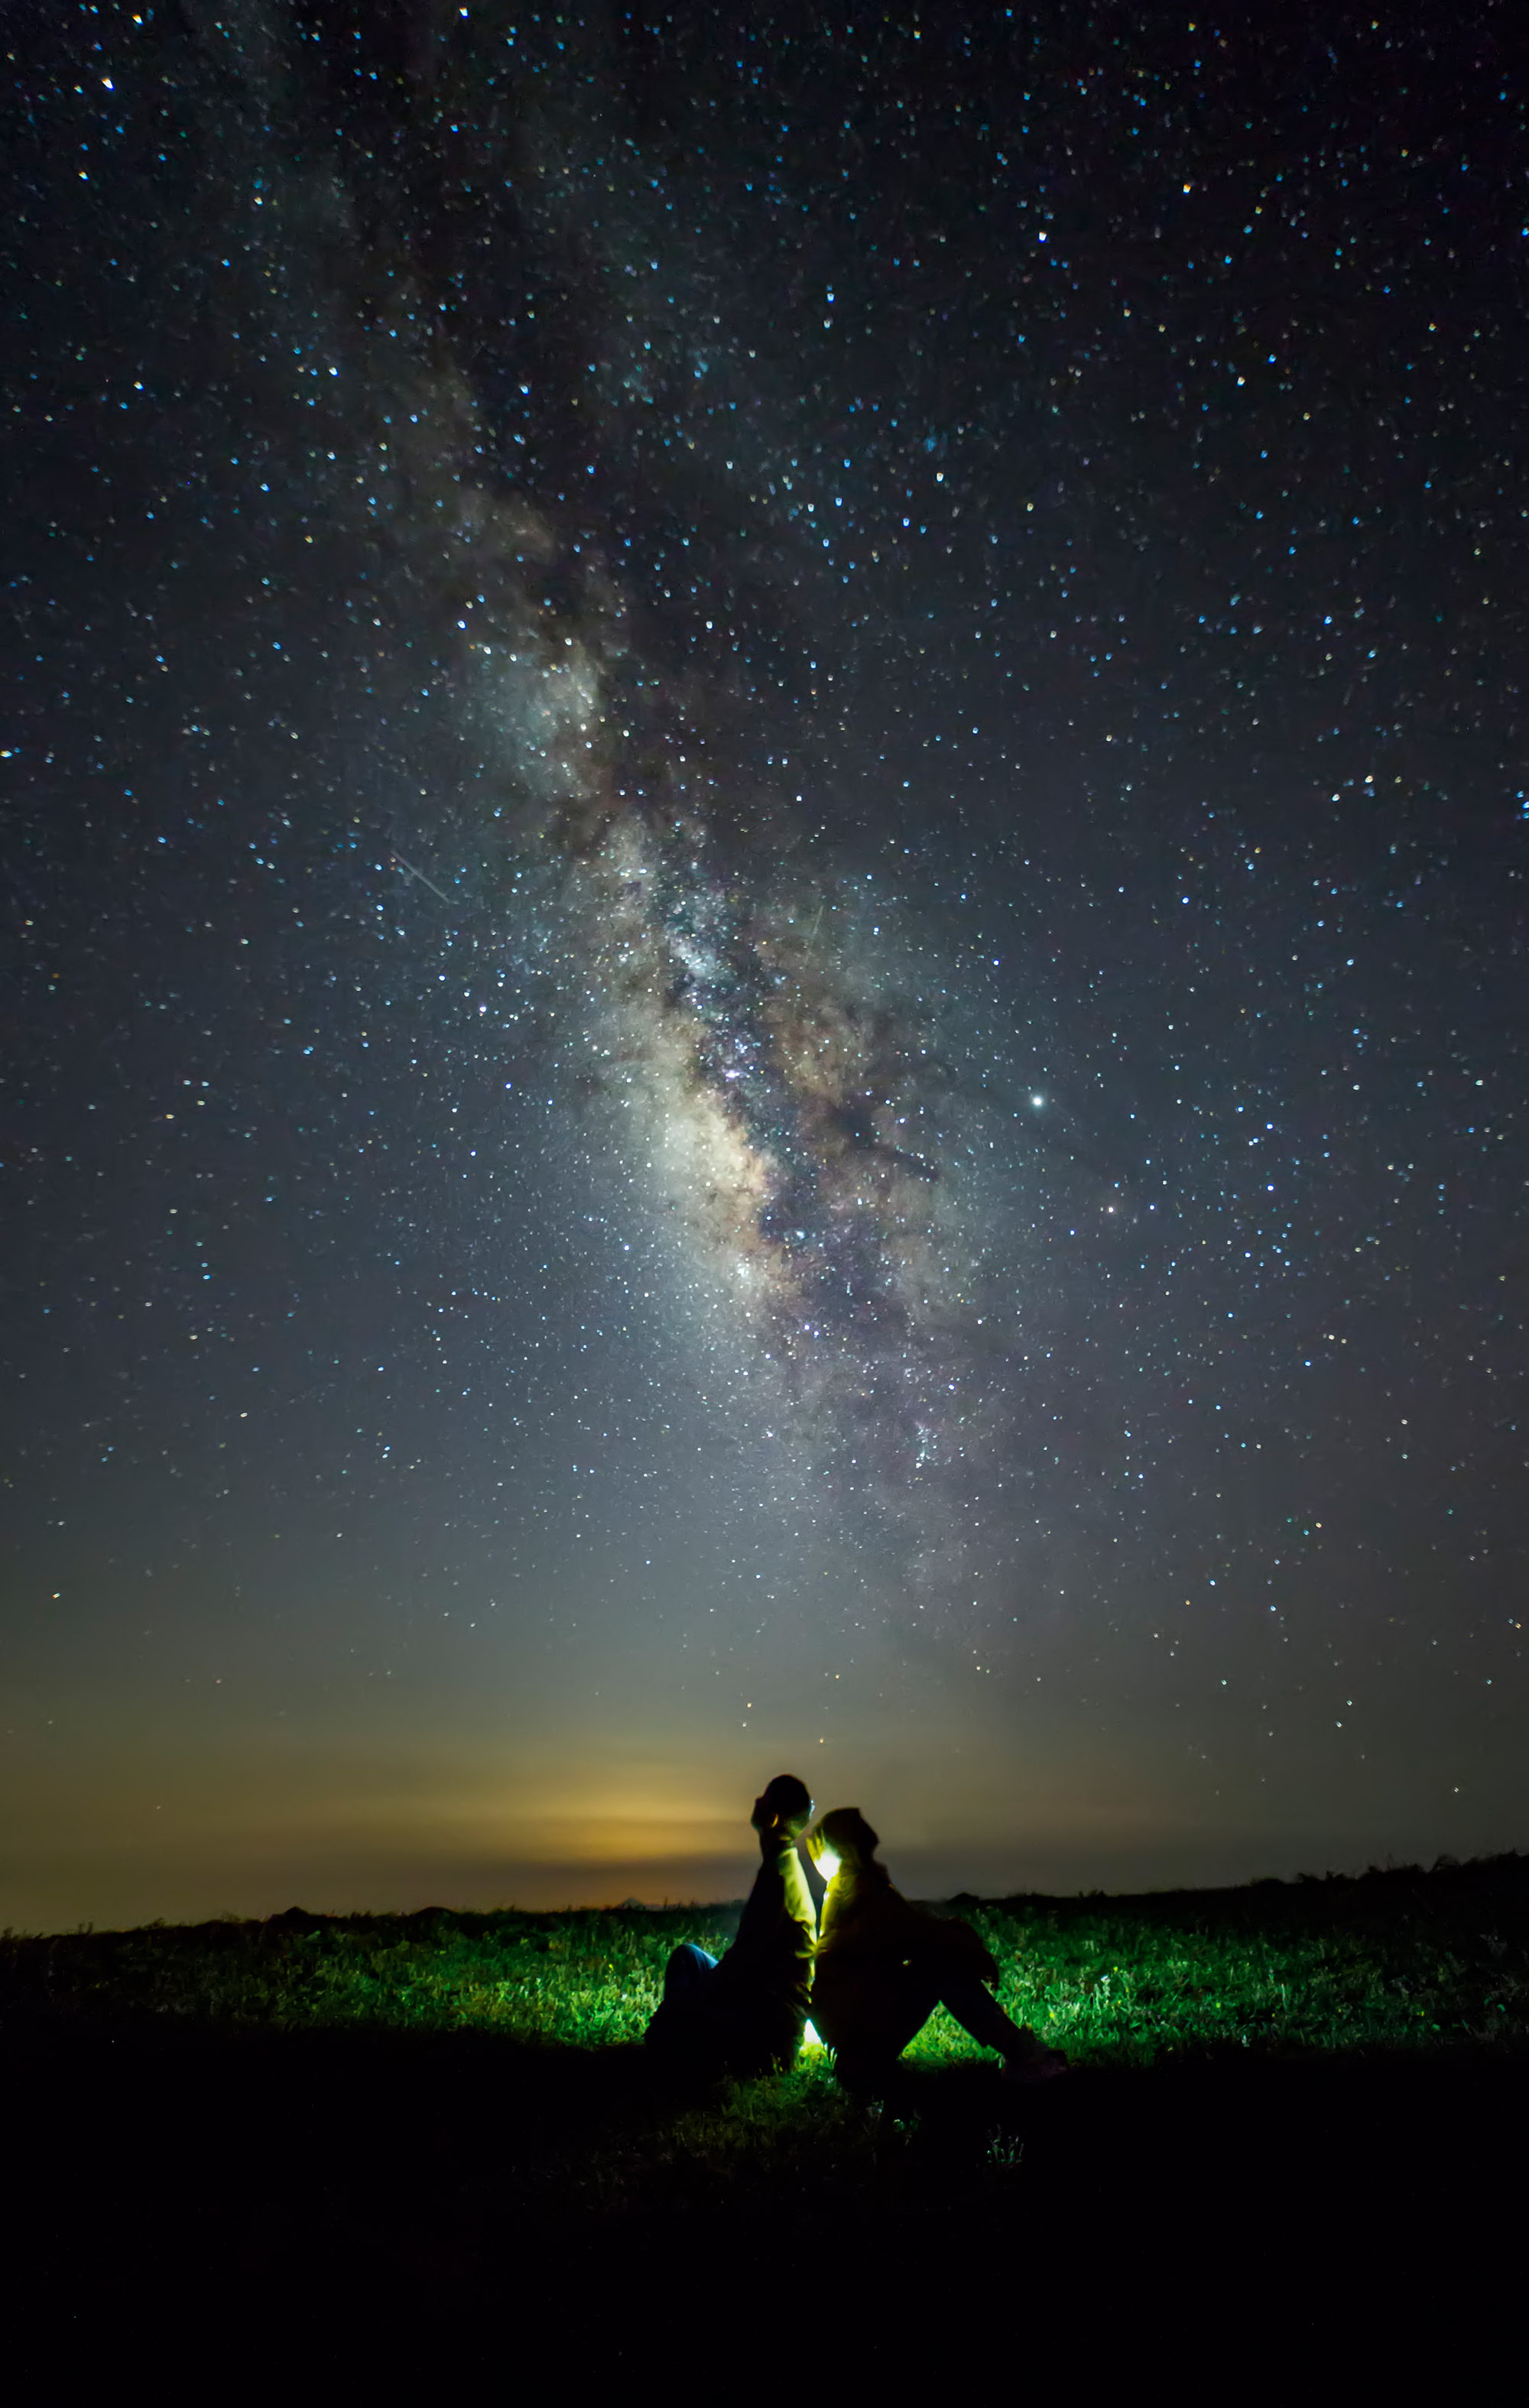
(743, 2013)
(883, 1966)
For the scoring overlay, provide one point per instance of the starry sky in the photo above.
(764, 807)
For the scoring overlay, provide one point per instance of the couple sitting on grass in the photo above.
(876, 1969)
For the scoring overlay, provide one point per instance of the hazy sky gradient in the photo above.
(763, 953)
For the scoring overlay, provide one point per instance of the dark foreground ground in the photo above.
(237, 2201)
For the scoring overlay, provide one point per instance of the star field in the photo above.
(765, 836)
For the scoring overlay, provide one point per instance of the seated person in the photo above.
(745, 2014)
(883, 1966)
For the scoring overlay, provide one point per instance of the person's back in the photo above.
(869, 1936)
(768, 1969)
(748, 2012)
(882, 1964)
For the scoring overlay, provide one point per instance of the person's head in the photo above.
(785, 1804)
(843, 1841)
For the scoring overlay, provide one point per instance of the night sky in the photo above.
(764, 831)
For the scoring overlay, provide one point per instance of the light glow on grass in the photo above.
(1400, 1959)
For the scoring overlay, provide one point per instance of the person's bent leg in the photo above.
(979, 2013)
(687, 1973)
(685, 2014)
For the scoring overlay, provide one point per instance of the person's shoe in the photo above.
(1023, 2071)
(1033, 2061)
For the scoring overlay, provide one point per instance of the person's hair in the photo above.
(844, 1830)
(785, 1796)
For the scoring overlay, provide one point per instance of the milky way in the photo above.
(756, 999)
(764, 848)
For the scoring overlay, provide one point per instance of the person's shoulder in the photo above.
(886, 1888)
(877, 1901)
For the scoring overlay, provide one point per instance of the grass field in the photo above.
(446, 2112)
(1397, 1960)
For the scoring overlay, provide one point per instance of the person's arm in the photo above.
(957, 1943)
(778, 1927)
(893, 1925)
(767, 1902)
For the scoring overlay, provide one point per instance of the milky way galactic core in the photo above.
(778, 1049)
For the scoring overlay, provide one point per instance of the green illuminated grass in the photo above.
(1370, 1968)
(1398, 1960)
(434, 2106)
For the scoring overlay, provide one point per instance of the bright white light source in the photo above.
(1037, 1101)
(828, 1864)
(810, 2035)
